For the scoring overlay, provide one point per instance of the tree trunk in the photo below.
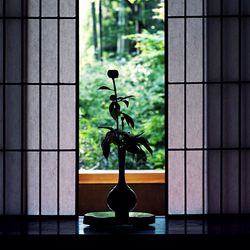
(100, 29)
(94, 29)
(137, 20)
(121, 43)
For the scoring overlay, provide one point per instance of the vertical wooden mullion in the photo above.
(40, 107)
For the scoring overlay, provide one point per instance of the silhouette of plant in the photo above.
(125, 141)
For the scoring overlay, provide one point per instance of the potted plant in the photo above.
(121, 199)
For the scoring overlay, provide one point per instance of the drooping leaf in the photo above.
(145, 143)
(109, 138)
(139, 134)
(105, 148)
(129, 120)
(105, 87)
(133, 148)
(126, 102)
(114, 110)
(141, 156)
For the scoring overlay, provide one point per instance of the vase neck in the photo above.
(122, 163)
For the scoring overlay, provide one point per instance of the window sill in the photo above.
(111, 177)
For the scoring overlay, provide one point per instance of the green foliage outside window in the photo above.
(141, 68)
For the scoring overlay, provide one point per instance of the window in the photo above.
(129, 36)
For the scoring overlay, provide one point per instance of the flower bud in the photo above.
(113, 74)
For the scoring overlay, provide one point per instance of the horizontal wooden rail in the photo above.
(111, 177)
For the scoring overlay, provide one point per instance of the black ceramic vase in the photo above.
(121, 199)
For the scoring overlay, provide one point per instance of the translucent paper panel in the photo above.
(1, 7)
(226, 193)
(231, 7)
(49, 117)
(67, 51)
(194, 182)
(67, 183)
(33, 51)
(245, 119)
(213, 115)
(33, 7)
(194, 115)
(246, 45)
(230, 115)
(245, 7)
(49, 51)
(67, 117)
(194, 7)
(175, 50)
(213, 53)
(245, 177)
(49, 183)
(175, 7)
(231, 50)
(13, 117)
(176, 116)
(1, 117)
(176, 42)
(32, 117)
(13, 51)
(213, 7)
(213, 178)
(230, 181)
(33, 183)
(176, 182)
(49, 8)
(13, 8)
(194, 50)
(1, 182)
(13, 183)
(1, 51)
(67, 8)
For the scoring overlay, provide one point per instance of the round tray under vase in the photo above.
(107, 218)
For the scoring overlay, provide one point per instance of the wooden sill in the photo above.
(111, 177)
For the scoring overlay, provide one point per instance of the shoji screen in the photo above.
(208, 106)
(38, 112)
(186, 104)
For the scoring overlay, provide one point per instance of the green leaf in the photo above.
(132, 1)
(129, 120)
(105, 87)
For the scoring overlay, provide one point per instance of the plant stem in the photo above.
(117, 121)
